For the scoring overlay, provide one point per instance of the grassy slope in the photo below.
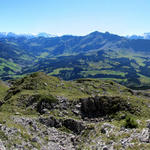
(39, 83)
(8, 68)
(3, 89)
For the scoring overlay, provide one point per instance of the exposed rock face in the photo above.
(101, 106)
(50, 122)
(44, 104)
(73, 125)
(37, 101)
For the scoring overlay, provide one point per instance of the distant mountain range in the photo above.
(144, 36)
(96, 55)
(47, 35)
(11, 34)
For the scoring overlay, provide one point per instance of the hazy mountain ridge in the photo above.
(27, 35)
(144, 36)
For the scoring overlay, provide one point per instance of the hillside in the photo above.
(3, 89)
(45, 112)
(96, 55)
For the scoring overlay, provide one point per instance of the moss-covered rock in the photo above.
(46, 102)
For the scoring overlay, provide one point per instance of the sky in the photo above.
(76, 17)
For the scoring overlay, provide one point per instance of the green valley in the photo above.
(96, 55)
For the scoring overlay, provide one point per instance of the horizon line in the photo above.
(59, 35)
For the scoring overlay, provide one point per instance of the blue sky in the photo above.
(77, 17)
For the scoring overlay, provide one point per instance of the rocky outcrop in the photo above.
(50, 121)
(73, 125)
(76, 126)
(104, 105)
(45, 104)
(37, 101)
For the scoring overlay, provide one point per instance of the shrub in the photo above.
(130, 122)
(3, 136)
